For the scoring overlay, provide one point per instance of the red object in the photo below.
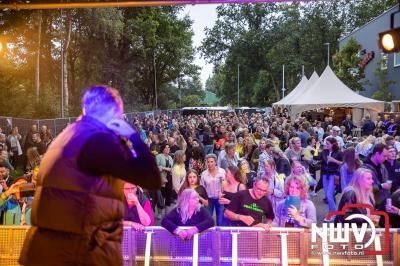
(368, 57)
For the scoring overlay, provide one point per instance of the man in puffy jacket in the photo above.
(78, 206)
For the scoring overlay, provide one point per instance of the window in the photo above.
(396, 61)
(384, 61)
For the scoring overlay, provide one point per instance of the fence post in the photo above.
(55, 129)
(284, 249)
(195, 250)
(148, 249)
(396, 247)
(216, 247)
(378, 247)
(304, 246)
(234, 248)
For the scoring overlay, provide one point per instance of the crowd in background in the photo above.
(245, 169)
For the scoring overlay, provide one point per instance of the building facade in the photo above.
(372, 57)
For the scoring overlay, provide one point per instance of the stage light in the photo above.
(389, 41)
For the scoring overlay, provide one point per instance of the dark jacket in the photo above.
(76, 216)
(329, 168)
(201, 219)
(367, 128)
(349, 197)
(394, 218)
(380, 194)
(348, 124)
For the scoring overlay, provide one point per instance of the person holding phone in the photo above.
(296, 210)
(137, 212)
(78, 207)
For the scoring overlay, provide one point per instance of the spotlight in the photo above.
(389, 41)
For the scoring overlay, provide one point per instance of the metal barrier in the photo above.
(219, 246)
(56, 125)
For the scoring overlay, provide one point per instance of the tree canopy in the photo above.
(261, 38)
(135, 50)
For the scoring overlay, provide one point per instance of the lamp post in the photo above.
(238, 91)
(155, 79)
(328, 44)
(62, 79)
(180, 93)
(283, 81)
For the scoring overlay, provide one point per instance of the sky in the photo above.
(202, 16)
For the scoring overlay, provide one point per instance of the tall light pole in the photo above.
(62, 79)
(238, 91)
(155, 78)
(283, 81)
(328, 44)
(180, 93)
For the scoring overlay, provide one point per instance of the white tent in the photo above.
(303, 85)
(329, 91)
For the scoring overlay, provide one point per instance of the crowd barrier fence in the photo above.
(221, 246)
(56, 125)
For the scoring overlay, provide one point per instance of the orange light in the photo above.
(1, 46)
(389, 41)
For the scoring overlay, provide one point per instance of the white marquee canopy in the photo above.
(303, 85)
(328, 92)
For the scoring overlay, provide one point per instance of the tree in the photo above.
(111, 46)
(346, 66)
(382, 92)
(263, 37)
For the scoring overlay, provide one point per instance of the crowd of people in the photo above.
(243, 169)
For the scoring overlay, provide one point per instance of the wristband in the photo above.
(236, 217)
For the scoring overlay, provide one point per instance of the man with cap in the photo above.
(335, 134)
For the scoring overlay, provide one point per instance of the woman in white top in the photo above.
(178, 170)
(212, 179)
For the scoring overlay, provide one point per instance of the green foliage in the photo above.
(382, 92)
(263, 37)
(346, 66)
(124, 48)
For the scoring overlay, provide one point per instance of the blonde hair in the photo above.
(180, 141)
(183, 204)
(33, 155)
(178, 157)
(355, 186)
(369, 140)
